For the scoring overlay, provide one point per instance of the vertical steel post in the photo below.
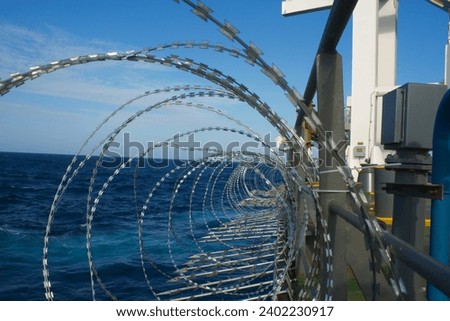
(330, 101)
(326, 79)
(409, 213)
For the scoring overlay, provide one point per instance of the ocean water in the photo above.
(180, 210)
(28, 183)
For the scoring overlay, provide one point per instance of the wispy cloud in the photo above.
(96, 89)
(22, 48)
(113, 82)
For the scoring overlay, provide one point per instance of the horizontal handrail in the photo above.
(430, 269)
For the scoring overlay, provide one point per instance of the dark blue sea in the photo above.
(28, 183)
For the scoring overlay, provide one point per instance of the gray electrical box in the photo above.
(408, 116)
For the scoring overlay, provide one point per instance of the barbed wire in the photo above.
(286, 243)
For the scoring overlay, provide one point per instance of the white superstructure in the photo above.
(374, 61)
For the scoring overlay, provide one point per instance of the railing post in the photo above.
(409, 213)
(330, 101)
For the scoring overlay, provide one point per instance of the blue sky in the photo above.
(56, 113)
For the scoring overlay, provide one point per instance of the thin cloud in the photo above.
(95, 89)
(115, 82)
(22, 48)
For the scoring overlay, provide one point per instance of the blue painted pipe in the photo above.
(440, 209)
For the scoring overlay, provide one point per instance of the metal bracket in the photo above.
(431, 191)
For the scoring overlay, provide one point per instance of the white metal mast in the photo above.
(373, 74)
(373, 71)
(374, 61)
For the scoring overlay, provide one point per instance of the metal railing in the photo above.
(383, 249)
(427, 267)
